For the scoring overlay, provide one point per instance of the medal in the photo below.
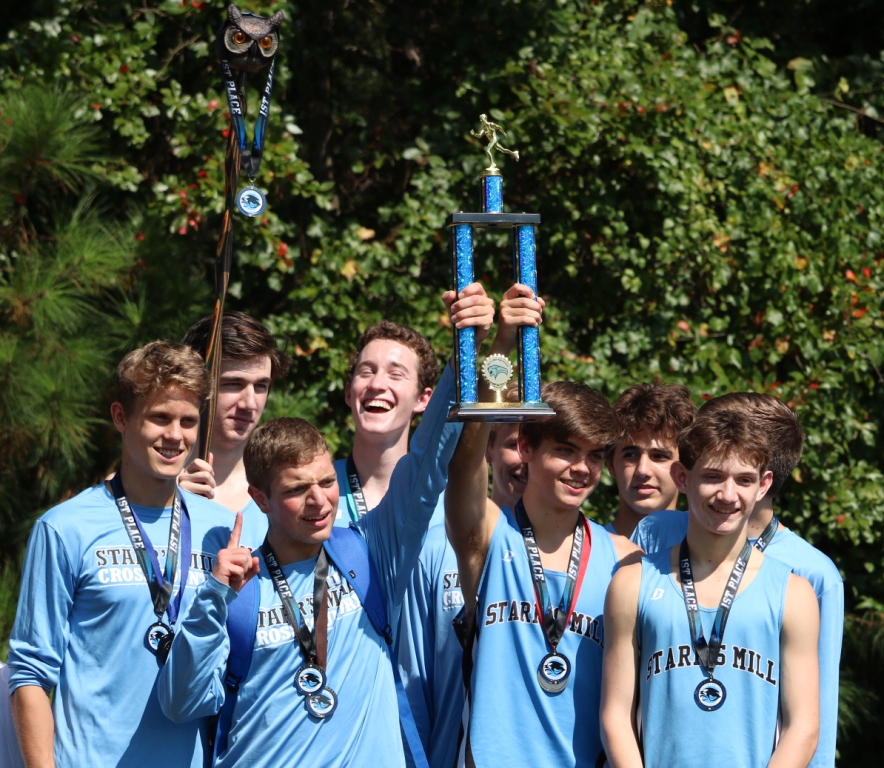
(310, 679)
(555, 668)
(553, 672)
(322, 704)
(251, 201)
(710, 694)
(159, 636)
(159, 639)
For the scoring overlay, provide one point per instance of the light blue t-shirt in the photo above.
(663, 530)
(511, 717)
(675, 730)
(83, 611)
(254, 524)
(271, 726)
(428, 652)
(346, 512)
(364, 730)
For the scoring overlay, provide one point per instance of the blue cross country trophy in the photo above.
(496, 369)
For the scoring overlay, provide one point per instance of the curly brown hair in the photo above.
(386, 330)
(661, 409)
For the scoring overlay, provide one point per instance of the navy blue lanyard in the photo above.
(250, 160)
(708, 652)
(767, 535)
(356, 492)
(555, 619)
(313, 643)
(161, 582)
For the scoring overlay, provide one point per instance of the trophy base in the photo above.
(501, 413)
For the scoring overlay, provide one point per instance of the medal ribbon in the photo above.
(250, 160)
(708, 652)
(356, 491)
(160, 582)
(315, 643)
(767, 535)
(555, 620)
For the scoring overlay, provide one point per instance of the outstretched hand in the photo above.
(471, 308)
(199, 478)
(235, 565)
(519, 307)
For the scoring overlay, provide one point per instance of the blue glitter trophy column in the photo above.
(496, 369)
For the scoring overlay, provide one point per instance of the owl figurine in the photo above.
(248, 42)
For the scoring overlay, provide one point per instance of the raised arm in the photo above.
(470, 516)
(619, 671)
(519, 306)
(799, 677)
(190, 684)
(395, 528)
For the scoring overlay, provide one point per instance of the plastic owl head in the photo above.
(248, 42)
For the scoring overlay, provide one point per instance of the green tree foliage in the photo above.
(711, 212)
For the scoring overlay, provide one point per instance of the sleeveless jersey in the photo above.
(663, 530)
(511, 717)
(675, 731)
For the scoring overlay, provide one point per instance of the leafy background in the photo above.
(707, 173)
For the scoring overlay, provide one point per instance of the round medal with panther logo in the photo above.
(159, 638)
(710, 695)
(251, 201)
(553, 672)
(310, 679)
(322, 704)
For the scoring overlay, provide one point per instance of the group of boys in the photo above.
(274, 606)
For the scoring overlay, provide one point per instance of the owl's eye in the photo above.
(236, 40)
(267, 45)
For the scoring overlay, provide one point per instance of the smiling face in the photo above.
(561, 473)
(508, 471)
(641, 466)
(384, 392)
(242, 396)
(721, 492)
(300, 507)
(157, 437)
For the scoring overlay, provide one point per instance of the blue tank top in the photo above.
(675, 731)
(511, 717)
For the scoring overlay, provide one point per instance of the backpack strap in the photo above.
(242, 623)
(348, 550)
